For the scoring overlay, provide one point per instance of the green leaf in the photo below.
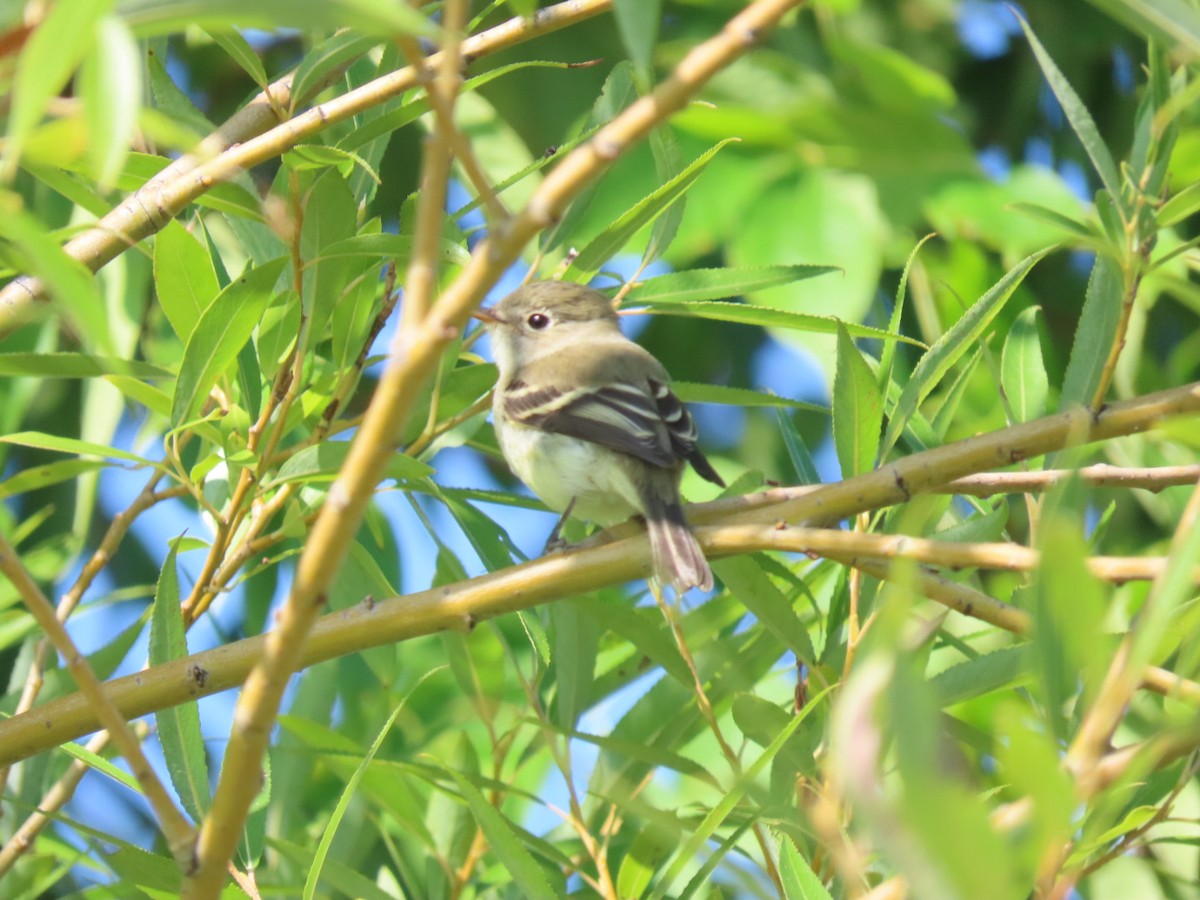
(1023, 369)
(321, 854)
(802, 461)
(503, 840)
(610, 241)
(220, 333)
(153, 17)
(43, 441)
(576, 638)
(960, 338)
(616, 94)
(330, 215)
(887, 359)
(70, 284)
(322, 463)
(1095, 333)
(34, 478)
(668, 162)
(767, 317)
(717, 284)
(691, 392)
(999, 670)
(745, 578)
(76, 365)
(1176, 23)
(110, 85)
(651, 847)
(184, 277)
(1073, 227)
(240, 51)
(391, 246)
(1077, 114)
(1070, 647)
(857, 409)
(327, 58)
(178, 726)
(637, 23)
(172, 102)
(1181, 205)
(1031, 762)
(800, 882)
(55, 48)
(691, 847)
(814, 214)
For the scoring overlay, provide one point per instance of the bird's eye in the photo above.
(537, 321)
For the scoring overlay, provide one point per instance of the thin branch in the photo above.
(622, 553)
(705, 708)
(117, 529)
(175, 827)
(52, 801)
(1125, 672)
(986, 484)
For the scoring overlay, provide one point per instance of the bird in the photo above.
(586, 418)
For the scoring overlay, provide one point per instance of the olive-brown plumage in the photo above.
(588, 420)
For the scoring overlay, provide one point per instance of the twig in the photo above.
(986, 484)
(52, 801)
(1125, 672)
(117, 529)
(704, 706)
(620, 555)
(175, 827)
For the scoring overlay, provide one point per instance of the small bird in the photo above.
(587, 419)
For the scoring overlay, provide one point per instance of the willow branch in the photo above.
(1156, 479)
(621, 554)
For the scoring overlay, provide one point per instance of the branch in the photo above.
(621, 554)
(176, 829)
(985, 484)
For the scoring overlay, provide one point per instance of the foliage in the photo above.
(935, 255)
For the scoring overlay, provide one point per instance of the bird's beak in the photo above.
(486, 316)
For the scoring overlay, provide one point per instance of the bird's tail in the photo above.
(678, 559)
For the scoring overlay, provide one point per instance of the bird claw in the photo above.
(556, 541)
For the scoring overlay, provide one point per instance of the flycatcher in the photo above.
(587, 419)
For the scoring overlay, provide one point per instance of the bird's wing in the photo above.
(620, 415)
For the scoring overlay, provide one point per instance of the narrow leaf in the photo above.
(950, 347)
(222, 330)
(1077, 114)
(503, 841)
(769, 317)
(1095, 333)
(178, 726)
(606, 245)
(321, 854)
(184, 276)
(1023, 369)
(717, 284)
(857, 409)
(800, 882)
(43, 441)
(76, 365)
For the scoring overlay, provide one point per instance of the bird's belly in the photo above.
(559, 468)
